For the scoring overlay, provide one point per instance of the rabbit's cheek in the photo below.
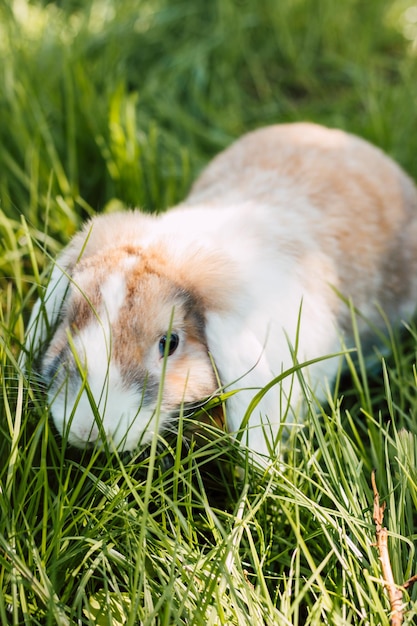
(103, 407)
(188, 379)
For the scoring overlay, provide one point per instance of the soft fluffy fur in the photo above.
(247, 269)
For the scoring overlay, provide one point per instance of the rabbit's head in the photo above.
(129, 346)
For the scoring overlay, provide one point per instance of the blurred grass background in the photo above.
(113, 103)
(125, 101)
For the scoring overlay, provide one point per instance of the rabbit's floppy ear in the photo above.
(47, 308)
(210, 278)
(209, 275)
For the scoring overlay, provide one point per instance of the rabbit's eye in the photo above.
(173, 340)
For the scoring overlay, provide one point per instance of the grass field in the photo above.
(111, 103)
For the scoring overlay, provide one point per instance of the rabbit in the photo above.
(255, 271)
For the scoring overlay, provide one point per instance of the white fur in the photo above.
(113, 292)
(73, 413)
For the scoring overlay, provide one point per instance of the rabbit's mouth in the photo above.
(208, 410)
(196, 417)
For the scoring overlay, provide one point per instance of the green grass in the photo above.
(120, 103)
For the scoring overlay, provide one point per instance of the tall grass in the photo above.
(106, 104)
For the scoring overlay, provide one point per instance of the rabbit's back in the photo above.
(332, 189)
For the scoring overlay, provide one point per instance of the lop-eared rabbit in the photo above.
(252, 273)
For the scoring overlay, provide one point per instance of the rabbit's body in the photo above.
(243, 273)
